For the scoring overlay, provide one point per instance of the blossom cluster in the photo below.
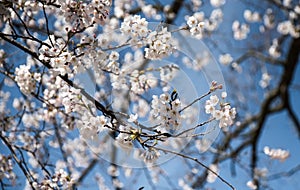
(198, 23)
(141, 82)
(288, 28)
(269, 19)
(251, 184)
(29, 7)
(55, 54)
(285, 27)
(83, 14)
(165, 108)
(217, 3)
(6, 168)
(123, 139)
(28, 141)
(225, 114)
(121, 7)
(94, 58)
(274, 49)
(71, 98)
(78, 151)
(60, 179)
(277, 154)
(26, 79)
(265, 80)
(259, 173)
(184, 185)
(160, 44)
(90, 125)
(135, 27)
(138, 83)
(150, 11)
(251, 16)
(240, 31)
(58, 93)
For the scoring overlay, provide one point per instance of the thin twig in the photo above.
(196, 100)
(195, 160)
(199, 125)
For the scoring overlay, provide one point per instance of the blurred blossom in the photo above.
(211, 177)
(274, 50)
(265, 80)
(225, 59)
(217, 3)
(251, 185)
(240, 31)
(251, 16)
(277, 154)
(150, 155)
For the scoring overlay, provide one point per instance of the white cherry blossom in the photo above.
(278, 154)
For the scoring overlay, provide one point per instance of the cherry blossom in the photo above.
(225, 59)
(85, 14)
(91, 84)
(251, 185)
(160, 44)
(240, 31)
(6, 168)
(26, 79)
(198, 24)
(265, 80)
(251, 16)
(166, 110)
(277, 154)
(217, 3)
(135, 27)
(225, 114)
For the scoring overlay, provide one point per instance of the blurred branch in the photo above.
(149, 178)
(260, 56)
(285, 174)
(175, 8)
(294, 118)
(85, 172)
(60, 142)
